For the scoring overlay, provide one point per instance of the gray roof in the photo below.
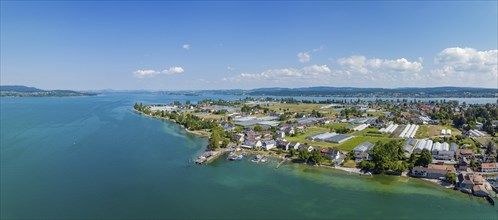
(365, 146)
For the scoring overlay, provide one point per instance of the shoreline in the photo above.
(197, 133)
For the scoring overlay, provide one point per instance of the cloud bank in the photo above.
(151, 73)
(452, 66)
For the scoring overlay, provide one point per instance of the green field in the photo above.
(371, 132)
(301, 138)
(360, 137)
(422, 132)
(338, 125)
(352, 143)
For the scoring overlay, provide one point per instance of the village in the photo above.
(449, 143)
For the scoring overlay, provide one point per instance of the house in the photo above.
(305, 146)
(293, 145)
(488, 167)
(269, 144)
(266, 135)
(231, 145)
(361, 151)
(479, 190)
(280, 134)
(239, 137)
(283, 145)
(433, 171)
(467, 153)
(252, 142)
(360, 156)
(471, 183)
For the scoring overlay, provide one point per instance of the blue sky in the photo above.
(224, 45)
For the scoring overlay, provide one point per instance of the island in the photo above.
(25, 91)
(443, 141)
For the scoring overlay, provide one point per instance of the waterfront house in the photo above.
(479, 190)
(360, 156)
(269, 144)
(488, 167)
(283, 145)
(471, 183)
(305, 146)
(252, 142)
(433, 171)
(293, 145)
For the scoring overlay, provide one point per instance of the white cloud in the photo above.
(304, 57)
(453, 66)
(145, 73)
(150, 73)
(317, 69)
(283, 74)
(466, 63)
(380, 69)
(173, 70)
(186, 46)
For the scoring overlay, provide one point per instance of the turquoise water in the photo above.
(93, 157)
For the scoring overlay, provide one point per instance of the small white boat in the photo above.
(366, 174)
(264, 159)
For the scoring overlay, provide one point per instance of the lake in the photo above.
(94, 158)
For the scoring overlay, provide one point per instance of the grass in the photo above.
(435, 130)
(360, 137)
(349, 163)
(352, 143)
(301, 107)
(212, 116)
(338, 125)
(301, 138)
(372, 132)
(422, 132)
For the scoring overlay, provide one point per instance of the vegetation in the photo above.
(424, 159)
(386, 157)
(451, 178)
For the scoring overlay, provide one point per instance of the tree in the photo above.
(316, 157)
(451, 178)
(386, 155)
(292, 152)
(217, 135)
(490, 146)
(304, 154)
(424, 159)
(258, 128)
(366, 165)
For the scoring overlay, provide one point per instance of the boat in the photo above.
(236, 157)
(367, 174)
(264, 159)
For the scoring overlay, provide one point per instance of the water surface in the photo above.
(93, 157)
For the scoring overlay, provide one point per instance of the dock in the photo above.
(209, 156)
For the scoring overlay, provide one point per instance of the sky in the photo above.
(164, 45)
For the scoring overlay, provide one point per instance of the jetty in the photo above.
(210, 155)
(280, 164)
